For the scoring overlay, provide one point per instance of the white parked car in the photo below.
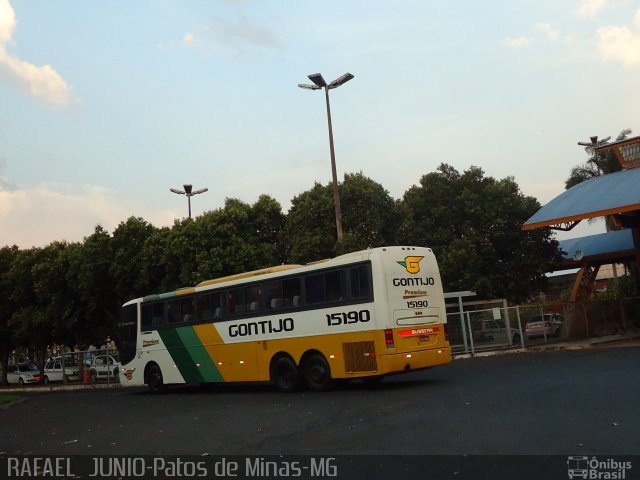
(23, 373)
(53, 371)
(103, 367)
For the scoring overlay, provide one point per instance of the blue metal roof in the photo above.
(613, 193)
(604, 243)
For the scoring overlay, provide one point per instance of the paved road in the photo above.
(567, 403)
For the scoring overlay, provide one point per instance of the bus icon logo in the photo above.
(578, 467)
(412, 264)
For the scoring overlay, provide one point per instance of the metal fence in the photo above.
(503, 327)
(488, 329)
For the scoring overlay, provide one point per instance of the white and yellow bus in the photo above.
(363, 315)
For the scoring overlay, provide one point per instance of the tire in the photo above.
(154, 379)
(46, 380)
(21, 382)
(317, 373)
(285, 375)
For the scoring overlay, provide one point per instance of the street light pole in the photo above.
(319, 83)
(189, 193)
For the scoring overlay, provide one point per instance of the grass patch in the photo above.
(6, 400)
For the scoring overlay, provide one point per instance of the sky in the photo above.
(104, 106)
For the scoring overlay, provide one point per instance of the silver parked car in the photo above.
(549, 325)
(23, 373)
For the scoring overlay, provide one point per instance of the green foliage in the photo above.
(127, 246)
(233, 239)
(474, 225)
(369, 215)
(72, 293)
(369, 219)
(7, 257)
(96, 303)
(619, 290)
(311, 227)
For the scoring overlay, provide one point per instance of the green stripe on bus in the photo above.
(199, 355)
(180, 355)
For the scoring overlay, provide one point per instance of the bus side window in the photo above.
(152, 314)
(235, 299)
(333, 285)
(314, 289)
(291, 292)
(360, 282)
(217, 303)
(273, 295)
(173, 310)
(158, 313)
(253, 297)
(187, 308)
(147, 316)
(203, 307)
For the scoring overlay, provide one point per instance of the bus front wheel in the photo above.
(317, 373)
(154, 379)
(285, 375)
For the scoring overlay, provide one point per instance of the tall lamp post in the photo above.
(189, 193)
(319, 83)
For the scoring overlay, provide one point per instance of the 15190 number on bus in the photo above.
(346, 318)
(417, 304)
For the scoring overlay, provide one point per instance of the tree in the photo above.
(370, 216)
(127, 244)
(240, 237)
(311, 229)
(233, 239)
(269, 222)
(473, 224)
(7, 256)
(369, 219)
(97, 303)
(40, 293)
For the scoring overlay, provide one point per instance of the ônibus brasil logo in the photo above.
(412, 264)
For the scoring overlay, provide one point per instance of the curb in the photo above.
(622, 340)
(57, 388)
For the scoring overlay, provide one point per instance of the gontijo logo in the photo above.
(412, 264)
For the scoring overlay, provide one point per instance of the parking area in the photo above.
(81, 369)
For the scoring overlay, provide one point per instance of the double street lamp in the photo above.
(318, 83)
(189, 193)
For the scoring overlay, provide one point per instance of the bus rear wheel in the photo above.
(285, 375)
(154, 379)
(317, 373)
